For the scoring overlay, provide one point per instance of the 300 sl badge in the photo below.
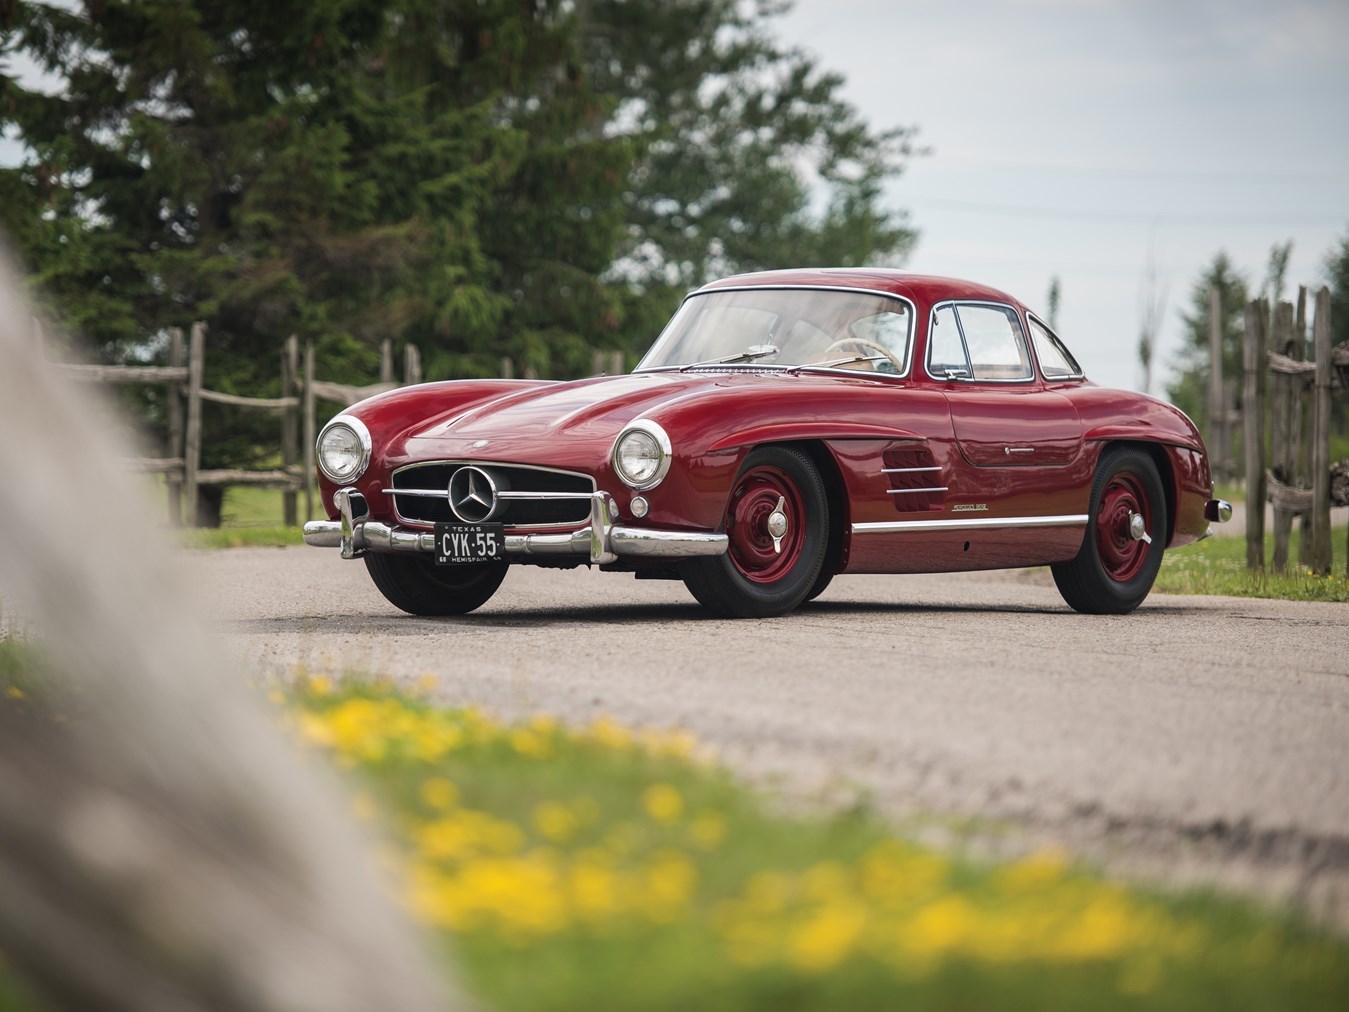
(965, 507)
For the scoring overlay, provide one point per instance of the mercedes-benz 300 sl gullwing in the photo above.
(785, 428)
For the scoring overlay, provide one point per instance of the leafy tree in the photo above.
(1189, 391)
(749, 156)
(346, 170)
(484, 177)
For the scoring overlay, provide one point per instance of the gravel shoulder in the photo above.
(1199, 740)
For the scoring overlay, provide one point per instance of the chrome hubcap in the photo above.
(777, 524)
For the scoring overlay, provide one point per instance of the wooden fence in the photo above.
(1286, 403)
(301, 391)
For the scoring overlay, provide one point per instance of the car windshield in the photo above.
(786, 328)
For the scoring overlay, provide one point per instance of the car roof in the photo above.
(929, 288)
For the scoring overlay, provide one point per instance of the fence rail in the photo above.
(298, 405)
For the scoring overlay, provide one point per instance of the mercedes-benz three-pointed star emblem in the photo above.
(472, 494)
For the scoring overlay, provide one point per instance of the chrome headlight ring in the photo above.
(641, 439)
(349, 438)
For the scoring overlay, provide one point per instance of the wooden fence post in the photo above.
(176, 447)
(386, 360)
(1284, 389)
(196, 366)
(1321, 548)
(412, 364)
(290, 424)
(507, 368)
(1217, 405)
(310, 425)
(1253, 412)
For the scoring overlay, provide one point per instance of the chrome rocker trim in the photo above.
(894, 526)
(601, 541)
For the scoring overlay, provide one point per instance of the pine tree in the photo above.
(1189, 390)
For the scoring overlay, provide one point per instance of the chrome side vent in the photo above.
(913, 480)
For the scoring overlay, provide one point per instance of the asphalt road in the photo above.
(1197, 740)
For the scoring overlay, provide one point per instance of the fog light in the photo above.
(640, 506)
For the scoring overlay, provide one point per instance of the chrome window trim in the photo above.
(895, 526)
(654, 430)
(1075, 377)
(908, 344)
(444, 492)
(362, 433)
(956, 304)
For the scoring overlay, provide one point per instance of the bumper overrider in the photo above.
(601, 542)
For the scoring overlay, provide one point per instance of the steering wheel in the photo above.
(864, 343)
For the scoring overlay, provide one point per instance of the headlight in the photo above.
(642, 454)
(344, 449)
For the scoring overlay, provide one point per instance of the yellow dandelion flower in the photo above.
(319, 685)
(555, 821)
(663, 803)
(1035, 871)
(14, 692)
(609, 734)
(439, 793)
(827, 937)
(315, 730)
(531, 743)
(940, 927)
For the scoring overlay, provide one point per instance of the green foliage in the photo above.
(749, 158)
(483, 177)
(1189, 390)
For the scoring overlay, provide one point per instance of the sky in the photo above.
(1080, 138)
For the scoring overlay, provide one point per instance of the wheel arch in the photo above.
(835, 553)
(1165, 471)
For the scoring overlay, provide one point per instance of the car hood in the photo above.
(579, 412)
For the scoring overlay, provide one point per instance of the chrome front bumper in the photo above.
(601, 542)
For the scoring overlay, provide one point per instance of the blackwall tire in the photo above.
(1113, 571)
(756, 578)
(419, 587)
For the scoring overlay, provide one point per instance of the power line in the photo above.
(1188, 220)
(1282, 178)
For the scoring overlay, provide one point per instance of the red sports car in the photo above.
(785, 428)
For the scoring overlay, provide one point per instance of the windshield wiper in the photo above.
(750, 354)
(838, 362)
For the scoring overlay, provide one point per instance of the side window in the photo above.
(996, 343)
(1056, 362)
(945, 350)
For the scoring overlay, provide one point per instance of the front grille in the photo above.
(913, 480)
(514, 478)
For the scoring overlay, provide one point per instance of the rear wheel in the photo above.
(777, 523)
(419, 587)
(1126, 535)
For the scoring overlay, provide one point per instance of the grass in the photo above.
(600, 867)
(1218, 566)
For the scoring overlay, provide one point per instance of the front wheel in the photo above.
(777, 525)
(419, 587)
(1126, 535)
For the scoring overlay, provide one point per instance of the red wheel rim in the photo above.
(753, 501)
(1121, 555)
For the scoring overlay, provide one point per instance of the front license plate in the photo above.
(466, 543)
